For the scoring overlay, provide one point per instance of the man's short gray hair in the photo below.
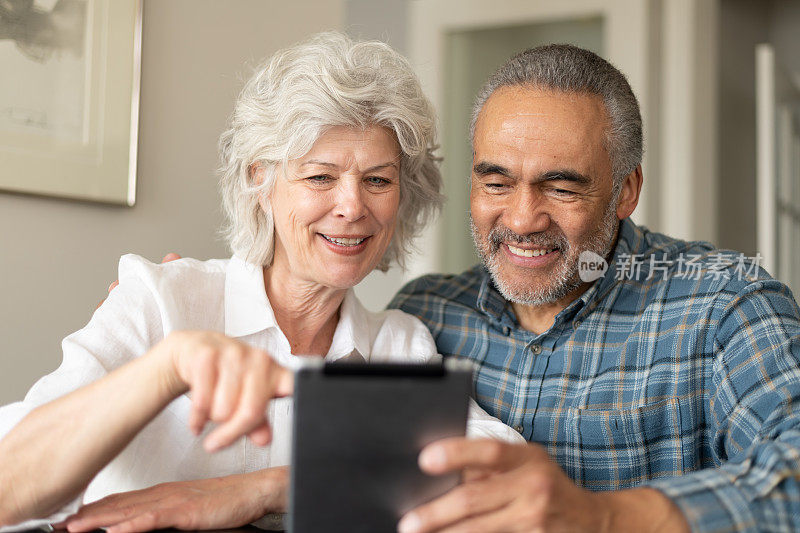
(567, 68)
(292, 99)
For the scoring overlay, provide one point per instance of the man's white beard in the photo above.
(565, 278)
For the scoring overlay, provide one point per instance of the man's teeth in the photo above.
(527, 253)
(345, 242)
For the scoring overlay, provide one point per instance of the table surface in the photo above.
(243, 529)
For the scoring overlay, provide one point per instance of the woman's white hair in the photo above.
(292, 99)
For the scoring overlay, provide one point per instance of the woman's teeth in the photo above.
(527, 253)
(344, 242)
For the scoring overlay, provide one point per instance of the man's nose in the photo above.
(527, 213)
(350, 203)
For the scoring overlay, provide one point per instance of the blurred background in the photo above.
(718, 82)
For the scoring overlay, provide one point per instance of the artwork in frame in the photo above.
(69, 98)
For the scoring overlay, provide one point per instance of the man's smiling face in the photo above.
(542, 190)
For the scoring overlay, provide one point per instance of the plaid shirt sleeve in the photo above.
(753, 407)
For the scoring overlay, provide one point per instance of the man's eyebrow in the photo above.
(566, 175)
(485, 169)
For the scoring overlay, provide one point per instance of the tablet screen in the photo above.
(358, 430)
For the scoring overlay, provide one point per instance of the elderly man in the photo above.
(663, 396)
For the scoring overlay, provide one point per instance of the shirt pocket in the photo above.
(617, 449)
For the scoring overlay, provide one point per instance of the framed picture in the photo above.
(69, 98)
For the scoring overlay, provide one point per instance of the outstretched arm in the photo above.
(77, 419)
(231, 384)
(69, 440)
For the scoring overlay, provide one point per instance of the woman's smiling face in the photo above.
(335, 210)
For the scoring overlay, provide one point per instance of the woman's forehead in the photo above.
(346, 145)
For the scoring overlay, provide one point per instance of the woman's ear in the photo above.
(257, 175)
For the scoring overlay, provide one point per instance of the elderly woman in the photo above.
(327, 173)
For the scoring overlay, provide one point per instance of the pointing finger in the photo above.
(250, 413)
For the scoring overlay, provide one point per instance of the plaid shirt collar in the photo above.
(490, 302)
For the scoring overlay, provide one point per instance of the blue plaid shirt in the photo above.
(683, 375)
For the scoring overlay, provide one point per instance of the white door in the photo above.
(455, 44)
(778, 167)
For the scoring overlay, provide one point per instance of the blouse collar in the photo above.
(248, 311)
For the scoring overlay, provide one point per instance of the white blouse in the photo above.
(218, 295)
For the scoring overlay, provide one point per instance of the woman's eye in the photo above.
(377, 180)
(319, 179)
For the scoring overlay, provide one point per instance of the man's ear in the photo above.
(629, 195)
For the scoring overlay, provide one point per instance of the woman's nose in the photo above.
(350, 203)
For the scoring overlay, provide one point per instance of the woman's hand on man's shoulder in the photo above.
(172, 256)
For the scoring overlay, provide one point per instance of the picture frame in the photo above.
(69, 112)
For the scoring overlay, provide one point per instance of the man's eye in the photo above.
(495, 185)
(564, 192)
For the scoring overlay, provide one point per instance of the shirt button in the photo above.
(518, 429)
(536, 349)
(577, 323)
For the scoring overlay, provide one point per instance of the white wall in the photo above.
(56, 257)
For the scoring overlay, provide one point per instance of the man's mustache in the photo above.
(551, 240)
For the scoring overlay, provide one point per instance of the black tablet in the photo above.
(358, 430)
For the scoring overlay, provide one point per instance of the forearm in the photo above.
(272, 488)
(269, 487)
(54, 452)
(642, 510)
(226, 502)
(274, 485)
